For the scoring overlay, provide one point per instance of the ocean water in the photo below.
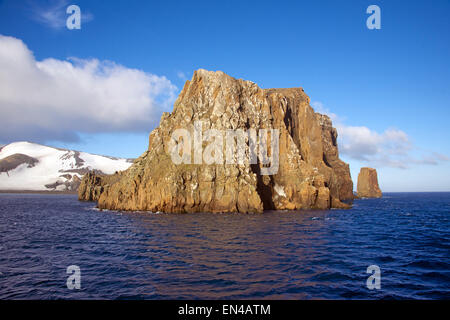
(275, 255)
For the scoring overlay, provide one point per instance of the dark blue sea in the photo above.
(275, 255)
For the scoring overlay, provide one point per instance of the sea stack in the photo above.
(368, 184)
(309, 173)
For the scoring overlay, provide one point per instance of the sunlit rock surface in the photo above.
(367, 186)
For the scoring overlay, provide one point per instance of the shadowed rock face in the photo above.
(368, 184)
(310, 173)
(93, 184)
(13, 161)
(71, 184)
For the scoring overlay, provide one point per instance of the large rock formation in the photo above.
(310, 173)
(368, 184)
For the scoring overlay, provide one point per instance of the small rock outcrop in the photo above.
(93, 184)
(367, 186)
(309, 173)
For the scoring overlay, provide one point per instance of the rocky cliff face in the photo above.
(308, 173)
(368, 184)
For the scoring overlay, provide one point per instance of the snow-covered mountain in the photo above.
(31, 166)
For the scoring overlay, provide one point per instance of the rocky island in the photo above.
(367, 186)
(309, 173)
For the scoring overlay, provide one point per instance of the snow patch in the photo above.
(53, 164)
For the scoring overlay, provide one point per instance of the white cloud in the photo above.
(390, 148)
(54, 14)
(181, 75)
(361, 143)
(54, 99)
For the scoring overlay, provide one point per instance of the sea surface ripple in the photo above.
(275, 255)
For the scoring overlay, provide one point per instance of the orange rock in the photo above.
(368, 184)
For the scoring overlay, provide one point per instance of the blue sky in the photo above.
(387, 90)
